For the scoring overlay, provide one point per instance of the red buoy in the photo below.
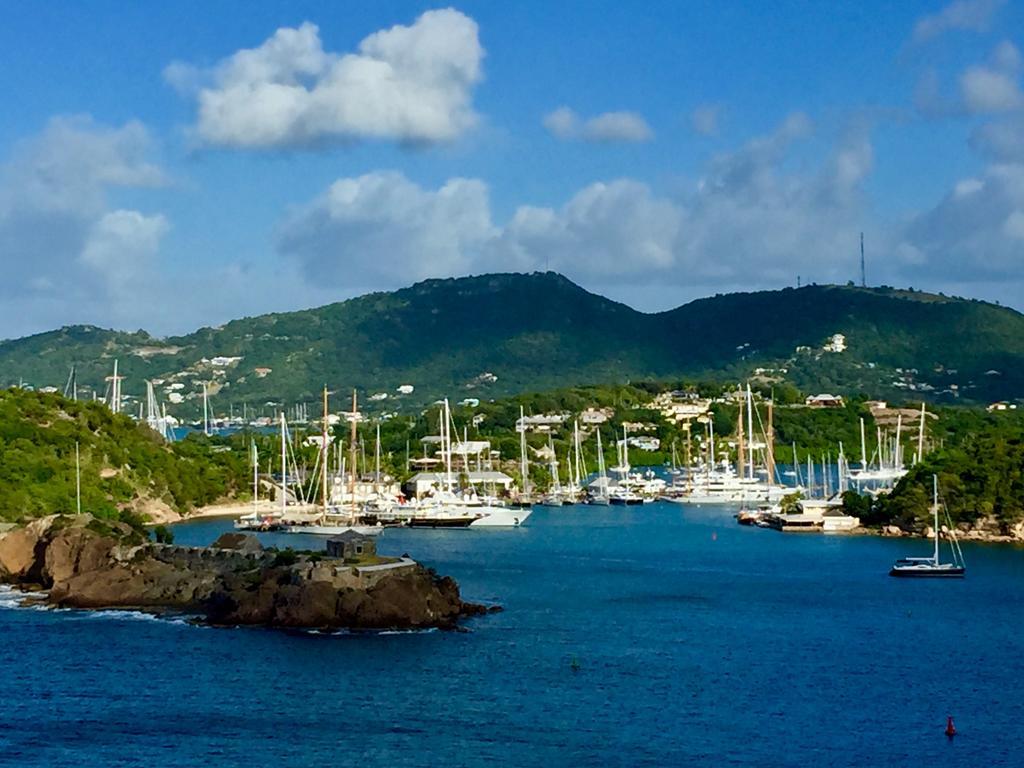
(950, 728)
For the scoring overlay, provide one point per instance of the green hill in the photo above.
(125, 466)
(495, 335)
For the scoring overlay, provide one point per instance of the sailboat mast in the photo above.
(553, 466)
(78, 480)
(376, 458)
(206, 411)
(324, 457)
(115, 392)
(689, 465)
(770, 443)
(352, 438)
(255, 477)
(935, 509)
(741, 447)
(625, 450)
(920, 437)
(711, 442)
(750, 432)
(579, 453)
(863, 446)
(284, 465)
(523, 466)
(897, 460)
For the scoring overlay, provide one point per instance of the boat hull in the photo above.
(953, 572)
(440, 522)
(501, 517)
(334, 530)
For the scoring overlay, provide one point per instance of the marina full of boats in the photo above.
(465, 491)
(458, 495)
(348, 503)
(461, 486)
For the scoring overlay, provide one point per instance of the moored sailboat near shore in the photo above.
(331, 521)
(933, 567)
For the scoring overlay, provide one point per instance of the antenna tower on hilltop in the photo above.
(863, 279)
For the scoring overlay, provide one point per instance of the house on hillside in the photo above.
(824, 401)
(596, 415)
(1002, 405)
(541, 423)
(836, 343)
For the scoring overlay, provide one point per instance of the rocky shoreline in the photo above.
(985, 530)
(83, 562)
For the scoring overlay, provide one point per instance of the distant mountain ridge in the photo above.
(500, 334)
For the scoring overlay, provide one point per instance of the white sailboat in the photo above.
(599, 488)
(742, 485)
(332, 521)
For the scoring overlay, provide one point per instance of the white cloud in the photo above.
(382, 228)
(1002, 140)
(1013, 227)
(608, 127)
(121, 247)
(994, 89)
(408, 83)
(617, 126)
(58, 235)
(606, 229)
(747, 221)
(989, 91)
(704, 119)
(961, 15)
(562, 123)
(973, 234)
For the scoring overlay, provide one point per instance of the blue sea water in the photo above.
(698, 642)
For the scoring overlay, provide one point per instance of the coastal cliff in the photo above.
(83, 562)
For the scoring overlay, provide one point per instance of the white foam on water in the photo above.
(120, 614)
(11, 598)
(16, 599)
(427, 631)
(371, 632)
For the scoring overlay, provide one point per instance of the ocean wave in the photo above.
(121, 614)
(427, 631)
(16, 599)
(11, 598)
(367, 632)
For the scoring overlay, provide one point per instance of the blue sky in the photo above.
(170, 166)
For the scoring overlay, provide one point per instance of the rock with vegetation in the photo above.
(126, 468)
(85, 562)
(981, 486)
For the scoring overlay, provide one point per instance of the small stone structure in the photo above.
(351, 546)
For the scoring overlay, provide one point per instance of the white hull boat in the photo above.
(332, 529)
(500, 517)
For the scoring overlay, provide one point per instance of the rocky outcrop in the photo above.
(238, 541)
(85, 563)
(991, 529)
(986, 529)
(409, 598)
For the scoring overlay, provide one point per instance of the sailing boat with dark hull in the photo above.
(932, 567)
